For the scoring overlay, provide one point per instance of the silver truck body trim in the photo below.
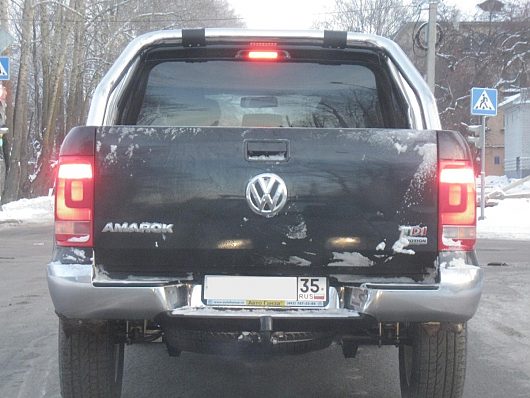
(74, 295)
(100, 114)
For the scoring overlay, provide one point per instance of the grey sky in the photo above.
(300, 14)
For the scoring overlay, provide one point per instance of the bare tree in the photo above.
(491, 51)
(380, 17)
(17, 166)
(63, 48)
(54, 50)
(4, 143)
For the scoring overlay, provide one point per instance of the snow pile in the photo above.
(510, 218)
(37, 210)
(496, 182)
(521, 188)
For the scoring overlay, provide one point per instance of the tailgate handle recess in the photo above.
(267, 150)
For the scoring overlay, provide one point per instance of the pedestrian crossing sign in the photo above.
(4, 68)
(483, 101)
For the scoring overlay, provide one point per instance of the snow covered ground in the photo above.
(23, 211)
(510, 219)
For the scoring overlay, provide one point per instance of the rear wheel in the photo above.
(433, 365)
(90, 360)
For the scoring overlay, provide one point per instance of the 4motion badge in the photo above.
(266, 194)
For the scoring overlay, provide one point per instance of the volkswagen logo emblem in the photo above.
(266, 194)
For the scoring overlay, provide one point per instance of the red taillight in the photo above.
(263, 54)
(76, 171)
(457, 207)
(74, 201)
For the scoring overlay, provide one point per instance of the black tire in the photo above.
(434, 364)
(90, 360)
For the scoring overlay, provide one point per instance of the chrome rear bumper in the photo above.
(454, 299)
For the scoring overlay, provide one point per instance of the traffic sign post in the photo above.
(483, 103)
(483, 169)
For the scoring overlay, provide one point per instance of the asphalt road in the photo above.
(499, 341)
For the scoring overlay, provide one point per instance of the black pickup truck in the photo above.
(255, 193)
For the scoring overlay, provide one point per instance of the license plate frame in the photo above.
(265, 291)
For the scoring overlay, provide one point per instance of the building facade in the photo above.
(495, 144)
(517, 134)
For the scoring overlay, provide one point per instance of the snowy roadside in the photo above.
(510, 219)
(24, 211)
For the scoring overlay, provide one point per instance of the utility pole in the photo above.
(483, 169)
(431, 44)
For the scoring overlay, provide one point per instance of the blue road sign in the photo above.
(483, 101)
(4, 68)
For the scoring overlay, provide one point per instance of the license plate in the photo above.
(265, 291)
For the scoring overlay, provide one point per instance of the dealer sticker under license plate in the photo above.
(265, 291)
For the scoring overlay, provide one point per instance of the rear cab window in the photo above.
(314, 90)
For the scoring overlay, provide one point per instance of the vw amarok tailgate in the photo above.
(351, 203)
